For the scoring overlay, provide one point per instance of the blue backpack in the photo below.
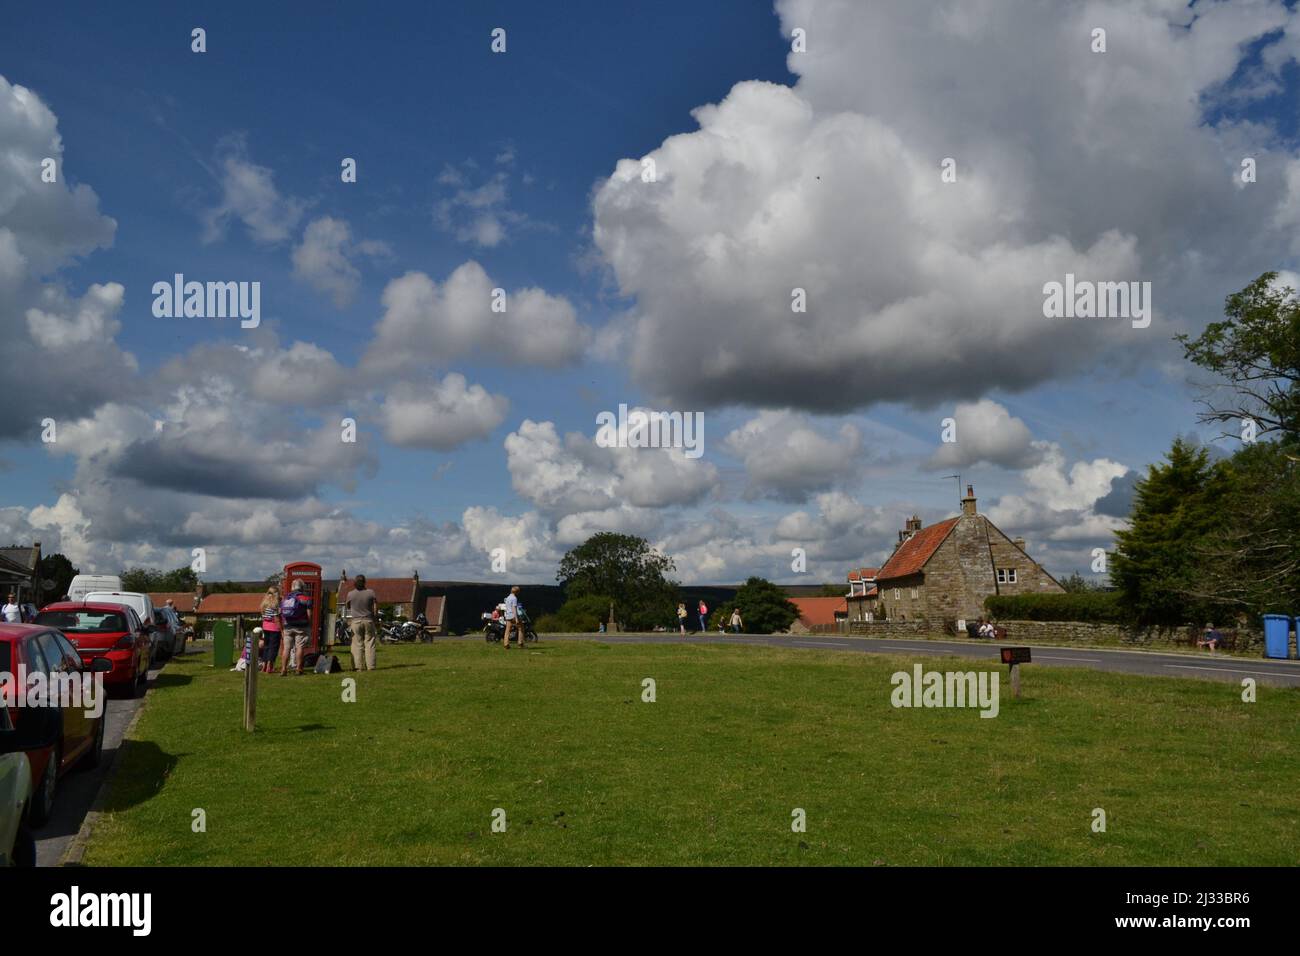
(295, 608)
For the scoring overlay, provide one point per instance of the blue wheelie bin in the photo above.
(1277, 629)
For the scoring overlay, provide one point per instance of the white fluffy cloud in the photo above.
(249, 194)
(1105, 166)
(324, 259)
(986, 432)
(786, 458)
(440, 415)
(424, 321)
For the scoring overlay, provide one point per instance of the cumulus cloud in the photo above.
(423, 319)
(575, 475)
(479, 214)
(1111, 167)
(986, 432)
(440, 415)
(324, 258)
(64, 342)
(786, 458)
(249, 195)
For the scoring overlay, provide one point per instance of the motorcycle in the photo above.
(402, 632)
(494, 629)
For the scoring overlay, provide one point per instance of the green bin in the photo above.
(223, 643)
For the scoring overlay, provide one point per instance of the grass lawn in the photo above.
(739, 737)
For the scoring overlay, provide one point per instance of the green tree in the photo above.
(1156, 564)
(152, 579)
(1076, 583)
(625, 569)
(1255, 351)
(1250, 563)
(58, 570)
(579, 615)
(763, 607)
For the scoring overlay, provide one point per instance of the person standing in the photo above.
(681, 617)
(736, 622)
(363, 611)
(13, 614)
(512, 618)
(704, 616)
(295, 612)
(272, 628)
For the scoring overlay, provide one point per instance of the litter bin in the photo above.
(223, 643)
(1277, 629)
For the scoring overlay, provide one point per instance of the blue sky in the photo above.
(817, 169)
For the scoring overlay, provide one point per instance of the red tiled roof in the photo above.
(862, 573)
(916, 550)
(241, 602)
(818, 610)
(387, 590)
(184, 600)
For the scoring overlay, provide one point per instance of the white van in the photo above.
(161, 639)
(83, 584)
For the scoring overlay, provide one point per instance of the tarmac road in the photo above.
(1151, 663)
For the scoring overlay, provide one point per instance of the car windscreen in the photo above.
(83, 621)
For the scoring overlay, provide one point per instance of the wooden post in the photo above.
(1015, 680)
(250, 687)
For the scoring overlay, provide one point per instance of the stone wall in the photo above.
(1067, 632)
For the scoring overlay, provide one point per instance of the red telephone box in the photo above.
(309, 575)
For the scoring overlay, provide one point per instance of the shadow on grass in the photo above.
(139, 773)
(169, 679)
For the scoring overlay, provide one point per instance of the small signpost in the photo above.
(1013, 657)
(250, 685)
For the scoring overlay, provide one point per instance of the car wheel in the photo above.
(95, 755)
(24, 853)
(43, 798)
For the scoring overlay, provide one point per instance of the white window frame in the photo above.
(897, 594)
(1007, 576)
(916, 593)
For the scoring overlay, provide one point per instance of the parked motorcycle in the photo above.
(494, 629)
(402, 632)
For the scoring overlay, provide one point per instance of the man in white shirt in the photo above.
(13, 614)
(511, 617)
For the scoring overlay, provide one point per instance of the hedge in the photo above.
(1091, 607)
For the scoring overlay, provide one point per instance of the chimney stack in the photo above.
(968, 503)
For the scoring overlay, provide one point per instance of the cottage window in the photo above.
(915, 594)
(897, 594)
(1006, 575)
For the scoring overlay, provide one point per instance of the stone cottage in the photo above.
(944, 572)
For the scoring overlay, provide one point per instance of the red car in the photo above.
(102, 629)
(80, 738)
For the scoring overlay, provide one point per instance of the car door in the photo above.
(76, 725)
(72, 660)
(143, 645)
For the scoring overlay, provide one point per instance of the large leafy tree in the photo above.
(1255, 352)
(1156, 565)
(152, 579)
(1250, 563)
(58, 570)
(625, 569)
(763, 607)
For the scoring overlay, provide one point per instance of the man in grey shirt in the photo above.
(362, 611)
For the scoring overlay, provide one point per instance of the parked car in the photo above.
(168, 618)
(17, 845)
(142, 604)
(83, 584)
(106, 630)
(80, 737)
